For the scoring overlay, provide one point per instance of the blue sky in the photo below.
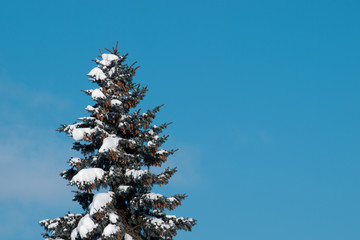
(264, 96)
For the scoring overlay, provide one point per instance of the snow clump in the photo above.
(97, 94)
(100, 201)
(115, 102)
(109, 143)
(97, 73)
(108, 58)
(79, 133)
(85, 226)
(110, 229)
(87, 176)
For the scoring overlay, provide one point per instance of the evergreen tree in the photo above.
(119, 146)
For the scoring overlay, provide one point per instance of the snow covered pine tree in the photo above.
(119, 146)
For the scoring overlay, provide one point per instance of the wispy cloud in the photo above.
(32, 154)
(31, 160)
(23, 102)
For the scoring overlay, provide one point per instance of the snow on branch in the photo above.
(79, 133)
(113, 217)
(110, 229)
(107, 59)
(97, 74)
(115, 102)
(60, 227)
(110, 144)
(85, 226)
(100, 201)
(87, 176)
(157, 201)
(135, 174)
(97, 94)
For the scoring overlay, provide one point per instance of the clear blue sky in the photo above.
(264, 96)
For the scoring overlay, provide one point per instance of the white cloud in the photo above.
(31, 161)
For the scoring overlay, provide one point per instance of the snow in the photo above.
(113, 217)
(53, 225)
(71, 127)
(87, 175)
(153, 196)
(84, 227)
(150, 144)
(124, 117)
(97, 94)
(123, 188)
(79, 133)
(112, 71)
(100, 201)
(74, 161)
(109, 143)
(172, 199)
(90, 108)
(86, 119)
(110, 229)
(151, 132)
(97, 73)
(115, 102)
(136, 174)
(161, 151)
(108, 58)
(128, 237)
(158, 222)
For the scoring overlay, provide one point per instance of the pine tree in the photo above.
(119, 146)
